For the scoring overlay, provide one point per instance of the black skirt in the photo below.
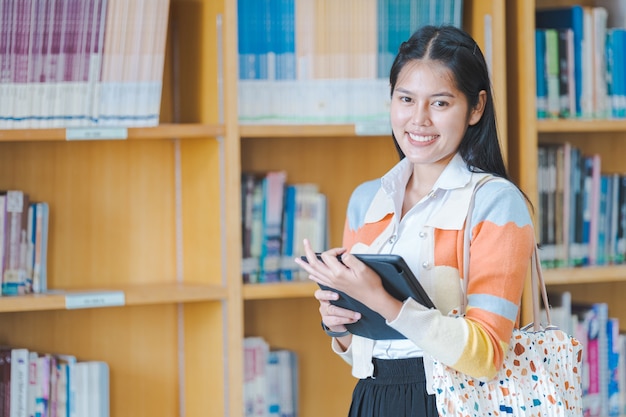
(398, 389)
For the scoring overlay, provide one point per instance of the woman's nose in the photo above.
(421, 116)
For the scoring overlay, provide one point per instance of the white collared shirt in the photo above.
(411, 237)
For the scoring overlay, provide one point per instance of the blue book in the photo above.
(540, 74)
(288, 266)
(620, 72)
(602, 219)
(563, 18)
(283, 28)
(612, 332)
(247, 58)
(615, 50)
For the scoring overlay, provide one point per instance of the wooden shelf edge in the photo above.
(576, 125)
(276, 131)
(164, 131)
(277, 290)
(585, 275)
(167, 293)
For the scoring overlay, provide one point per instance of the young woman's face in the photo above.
(429, 115)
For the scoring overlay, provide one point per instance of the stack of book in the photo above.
(582, 209)
(44, 384)
(81, 63)
(23, 243)
(580, 65)
(276, 218)
(270, 380)
(326, 61)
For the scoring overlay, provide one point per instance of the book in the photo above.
(593, 318)
(65, 384)
(567, 82)
(3, 235)
(541, 93)
(571, 17)
(309, 221)
(251, 213)
(40, 269)
(621, 370)
(552, 72)
(5, 380)
(273, 203)
(256, 350)
(613, 352)
(92, 388)
(282, 383)
(19, 382)
(14, 279)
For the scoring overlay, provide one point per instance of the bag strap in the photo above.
(537, 281)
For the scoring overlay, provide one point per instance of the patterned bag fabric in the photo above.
(540, 377)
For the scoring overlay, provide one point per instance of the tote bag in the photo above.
(541, 374)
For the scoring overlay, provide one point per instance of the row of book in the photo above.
(42, 384)
(604, 352)
(580, 63)
(308, 39)
(77, 63)
(276, 217)
(270, 380)
(325, 61)
(23, 243)
(582, 210)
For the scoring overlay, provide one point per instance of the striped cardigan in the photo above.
(501, 244)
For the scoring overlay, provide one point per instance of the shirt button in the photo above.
(432, 194)
(426, 265)
(392, 239)
(422, 235)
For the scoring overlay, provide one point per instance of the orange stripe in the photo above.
(365, 234)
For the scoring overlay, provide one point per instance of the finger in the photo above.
(311, 256)
(335, 315)
(325, 295)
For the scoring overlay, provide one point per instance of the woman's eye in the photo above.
(405, 99)
(440, 103)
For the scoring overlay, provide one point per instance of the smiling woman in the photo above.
(444, 130)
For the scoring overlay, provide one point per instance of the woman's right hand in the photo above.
(334, 317)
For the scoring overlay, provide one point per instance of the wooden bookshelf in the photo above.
(145, 219)
(607, 137)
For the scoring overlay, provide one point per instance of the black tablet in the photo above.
(398, 280)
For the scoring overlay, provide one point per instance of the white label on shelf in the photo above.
(96, 133)
(372, 128)
(94, 299)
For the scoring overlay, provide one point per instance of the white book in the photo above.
(92, 389)
(66, 389)
(19, 382)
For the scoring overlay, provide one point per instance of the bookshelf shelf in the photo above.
(134, 296)
(163, 131)
(585, 275)
(275, 131)
(278, 290)
(580, 126)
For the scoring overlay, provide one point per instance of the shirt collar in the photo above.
(454, 175)
(453, 208)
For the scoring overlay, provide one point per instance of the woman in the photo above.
(444, 127)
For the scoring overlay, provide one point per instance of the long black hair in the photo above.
(457, 51)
